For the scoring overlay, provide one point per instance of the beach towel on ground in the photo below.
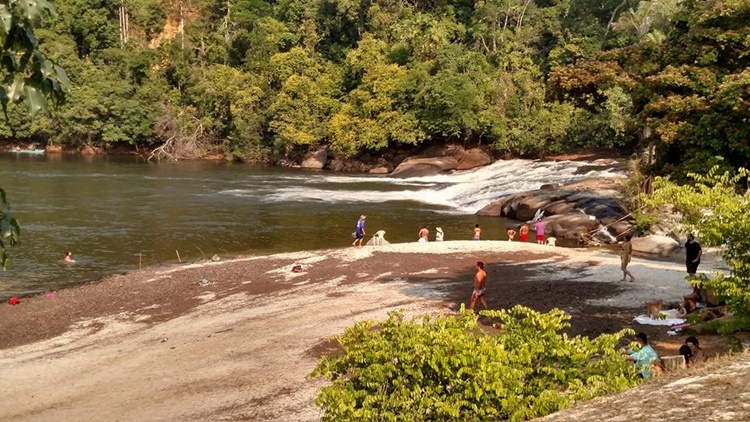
(668, 321)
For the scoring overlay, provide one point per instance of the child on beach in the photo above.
(477, 233)
(511, 234)
(359, 231)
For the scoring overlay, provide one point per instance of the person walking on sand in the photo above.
(423, 235)
(539, 228)
(359, 231)
(480, 287)
(523, 233)
(625, 255)
(511, 234)
(693, 253)
(477, 233)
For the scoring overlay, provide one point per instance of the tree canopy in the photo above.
(252, 79)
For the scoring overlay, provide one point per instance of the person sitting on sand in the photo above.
(686, 353)
(424, 235)
(695, 349)
(511, 234)
(523, 233)
(645, 358)
(68, 256)
(700, 295)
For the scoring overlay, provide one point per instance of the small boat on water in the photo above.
(27, 151)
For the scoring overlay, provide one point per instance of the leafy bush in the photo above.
(718, 207)
(644, 221)
(447, 368)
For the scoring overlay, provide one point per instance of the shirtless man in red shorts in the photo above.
(480, 287)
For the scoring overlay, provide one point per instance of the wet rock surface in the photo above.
(418, 167)
(573, 211)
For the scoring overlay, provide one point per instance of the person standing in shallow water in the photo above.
(539, 228)
(480, 286)
(693, 253)
(625, 255)
(477, 233)
(511, 234)
(523, 233)
(68, 256)
(359, 231)
(423, 235)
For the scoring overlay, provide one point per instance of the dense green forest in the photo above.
(254, 79)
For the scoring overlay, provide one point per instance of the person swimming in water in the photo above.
(68, 256)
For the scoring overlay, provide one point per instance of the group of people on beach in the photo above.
(644, 357)
(648, 361)
(480, 278)
(423, 235)
(693, 253)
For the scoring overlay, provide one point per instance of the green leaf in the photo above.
(6, 17)
(62, 77)
(35, 100)
(15, 90)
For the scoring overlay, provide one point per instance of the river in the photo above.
(119, 214)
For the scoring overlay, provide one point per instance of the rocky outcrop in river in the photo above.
(442, 159)
(580, 211)
(427, 162)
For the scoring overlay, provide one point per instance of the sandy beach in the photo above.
(235, 339)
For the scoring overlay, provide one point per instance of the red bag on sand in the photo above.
(14, 300)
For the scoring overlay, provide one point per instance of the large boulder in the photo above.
(315, 159)
(663, 246)
(575, 209)
(379, 170)
(570, 226)
(418, 167)
(473, 158)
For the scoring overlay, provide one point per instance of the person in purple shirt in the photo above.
(539, 228)
(359, 232)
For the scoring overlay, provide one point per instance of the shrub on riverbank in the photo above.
(717, 208)
(449, 368)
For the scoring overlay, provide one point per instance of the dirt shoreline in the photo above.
(235, 339)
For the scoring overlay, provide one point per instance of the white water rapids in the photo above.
(463, 192)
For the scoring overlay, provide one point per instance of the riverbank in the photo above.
(235, 339)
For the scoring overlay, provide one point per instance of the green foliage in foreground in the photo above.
(447, 368)
(718, 210)
(9, 228)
